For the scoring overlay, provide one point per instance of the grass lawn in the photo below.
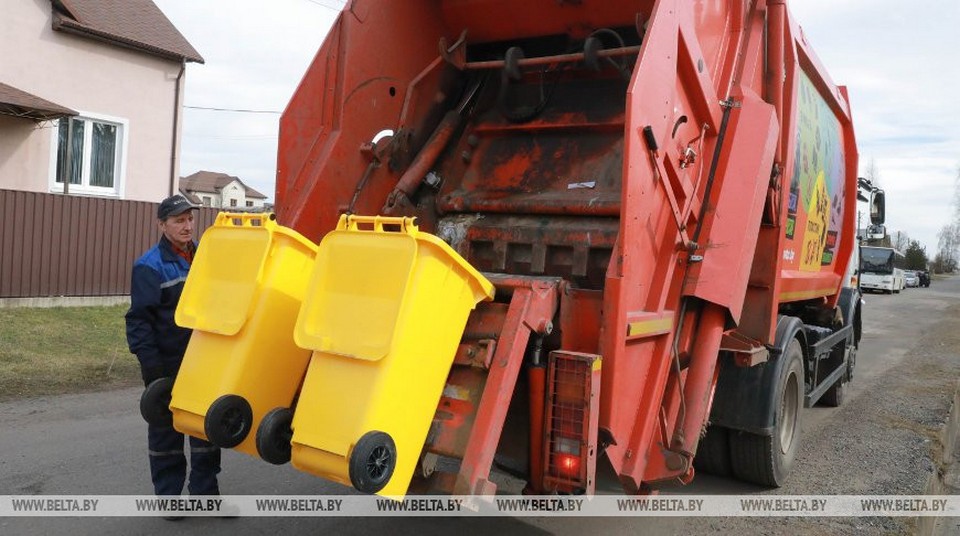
(47, 351)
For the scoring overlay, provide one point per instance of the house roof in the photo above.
(19, 103)
(212, 182)
(190, 197)
(136, 24)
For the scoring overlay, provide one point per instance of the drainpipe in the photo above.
(174, 145)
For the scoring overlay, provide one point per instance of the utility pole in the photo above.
(859, 238)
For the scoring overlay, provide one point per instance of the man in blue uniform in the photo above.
(159, 344)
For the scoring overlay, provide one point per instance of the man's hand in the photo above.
(150, 374)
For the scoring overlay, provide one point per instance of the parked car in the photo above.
(924, 278)
(911, 279)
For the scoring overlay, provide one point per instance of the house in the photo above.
(90, 91)
(94, 92)
(220, 190)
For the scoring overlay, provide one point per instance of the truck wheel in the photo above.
(372, 461)
(274, 436)
(767, 460)
(713, 452)
(228, 421)
(155, 402)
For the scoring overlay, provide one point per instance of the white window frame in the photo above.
(120, 180)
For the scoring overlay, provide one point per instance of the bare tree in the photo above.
(948, 239)
(872, 173)
(899, 240)
(956, 198)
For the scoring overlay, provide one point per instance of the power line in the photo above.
(232, 138)
(327, 5)
(236, 110)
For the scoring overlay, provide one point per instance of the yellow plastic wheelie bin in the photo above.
(384, 313)
(242, 369)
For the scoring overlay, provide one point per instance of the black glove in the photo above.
(150, 374)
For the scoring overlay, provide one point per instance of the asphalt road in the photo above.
(879, 442)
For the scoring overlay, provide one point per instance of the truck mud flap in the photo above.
(742, 400)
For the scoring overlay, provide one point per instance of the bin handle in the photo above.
(352, 222)
(243, 219)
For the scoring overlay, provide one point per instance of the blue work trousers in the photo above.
(168, 464)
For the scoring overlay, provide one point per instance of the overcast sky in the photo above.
(255, 54)
(899, 61)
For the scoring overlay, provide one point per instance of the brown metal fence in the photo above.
(56, 245)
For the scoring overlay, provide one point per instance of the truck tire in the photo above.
(767, 460)
(713, 452)
(228, 421)
(372, 462)
(274, 435)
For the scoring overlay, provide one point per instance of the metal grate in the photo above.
(572, 385)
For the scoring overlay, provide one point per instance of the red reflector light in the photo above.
(568, 464)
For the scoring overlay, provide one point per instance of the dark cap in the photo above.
(174, 206)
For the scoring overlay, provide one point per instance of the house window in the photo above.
(249, 203)
(207, 201)
(233, 202)
(97, 155)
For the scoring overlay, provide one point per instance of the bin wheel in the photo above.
(155, 402)
(274, 436)
(228, 421)
(372, 461)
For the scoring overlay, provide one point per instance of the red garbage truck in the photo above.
(663, 194)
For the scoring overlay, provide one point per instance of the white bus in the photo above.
(881, 269)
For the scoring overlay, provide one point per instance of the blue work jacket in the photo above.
(156, 285)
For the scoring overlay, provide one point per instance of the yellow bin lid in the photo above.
(361, 275)
(225, 276)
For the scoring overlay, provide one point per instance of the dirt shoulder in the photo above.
(890, 443)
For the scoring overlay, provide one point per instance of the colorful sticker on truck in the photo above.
(817, 183)
(815, 236)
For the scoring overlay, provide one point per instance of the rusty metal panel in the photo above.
(56, 245)
(485, 18)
